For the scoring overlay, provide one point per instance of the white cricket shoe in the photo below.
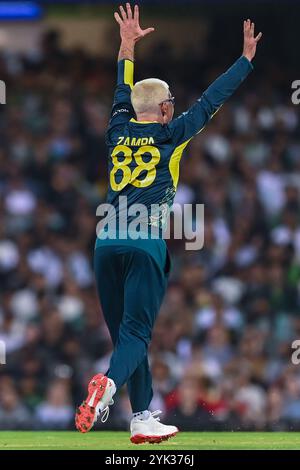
(150, 430)
(100, 392)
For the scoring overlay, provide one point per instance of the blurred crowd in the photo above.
(221, 349)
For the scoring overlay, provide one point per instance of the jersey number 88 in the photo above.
(131, 177)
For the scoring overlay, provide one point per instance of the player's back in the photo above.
(140, 163)
(144, 157)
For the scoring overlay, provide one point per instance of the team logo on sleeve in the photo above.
(121, 110)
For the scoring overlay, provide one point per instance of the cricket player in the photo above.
(145, 146)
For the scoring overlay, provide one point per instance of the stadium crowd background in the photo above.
(221, 350)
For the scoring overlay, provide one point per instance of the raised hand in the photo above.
(250, 41)
(130, 29)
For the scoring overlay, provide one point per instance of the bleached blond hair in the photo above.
(147, 94)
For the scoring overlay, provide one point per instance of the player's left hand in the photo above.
(250, 41)
(130, 29)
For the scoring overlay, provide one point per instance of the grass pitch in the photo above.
(102, 440)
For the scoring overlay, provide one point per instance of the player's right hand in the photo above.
(130, 29)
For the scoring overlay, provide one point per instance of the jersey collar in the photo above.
(143, 122)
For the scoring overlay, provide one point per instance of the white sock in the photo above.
(142, 415)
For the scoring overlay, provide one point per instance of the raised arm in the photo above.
(131, 33)
(192, 121)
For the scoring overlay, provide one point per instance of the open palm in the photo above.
(250, 41)
(130, 29)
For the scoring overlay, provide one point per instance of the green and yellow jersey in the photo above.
(144, 157)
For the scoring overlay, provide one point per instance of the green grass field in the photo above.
(21, 440)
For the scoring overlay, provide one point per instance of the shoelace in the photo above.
(105, 412)
(105, 415)
(155, 413)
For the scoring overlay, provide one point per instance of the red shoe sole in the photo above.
(85, 414)
(141, 438)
